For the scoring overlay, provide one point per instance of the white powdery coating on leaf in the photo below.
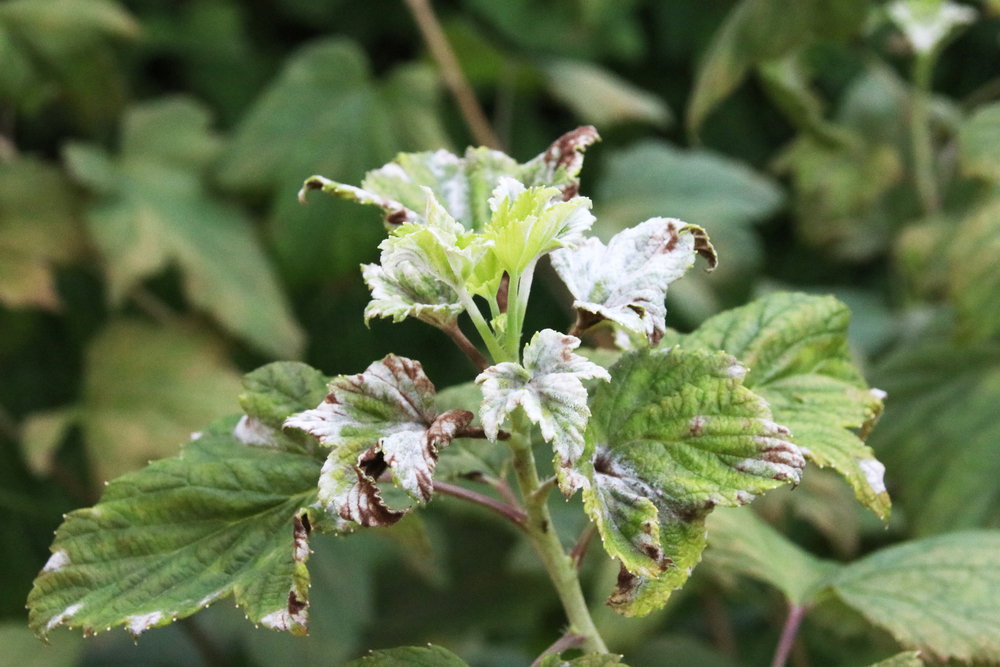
(253, 432)
(447, 169)
(926, 29)
(56, 562)
(411, 459)
(874, 473)
(66, 614)
(878, 394)
(210, 598)
(141, 622)
(550, 389)
(508, 188)
(283, 620)
(393, 170)
(196, 435)
(736, 371)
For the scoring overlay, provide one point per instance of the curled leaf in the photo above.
(382, 419)
(626, 281)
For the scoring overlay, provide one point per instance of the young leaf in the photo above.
(674, 435)
(424, 268)
(550, 389)
(410, 656)
(530, 222)
(937, 595)
(795, 346)
(461, 184)
(382, 418)
(740, 542)
(626, 281)
(222, 518)
(153, 209)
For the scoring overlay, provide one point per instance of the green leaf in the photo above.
(795, 346)
(147, 389)
(740, 542)
(978, 142)
(222, 518)
(674, 435)
(410, 656)
(381, 419)
(937, 595)
(461, 185)
(39, 229)
(274, 392)
(61, 50)
(153, 210)
(904, 659)
(626, 281)
(723, 196)
(974, 279)
(549, 388)
(760, 30)
(939, 434)
(600, 97)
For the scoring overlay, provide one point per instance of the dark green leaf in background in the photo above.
(153, 210)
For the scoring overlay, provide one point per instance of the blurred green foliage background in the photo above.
(152, 249)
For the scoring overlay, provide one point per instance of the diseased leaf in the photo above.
(974, 280)
(461, 184)
(721, 195)
(760, 30)
(153, 209)
(740, 542)
(410, 656)
(381, 419)
(600, 97)
(626, 281)
(549, 388)
(222, 518)
(795, 346)
(937, 594)
(674, 435)
(40, 228)
(424, 269)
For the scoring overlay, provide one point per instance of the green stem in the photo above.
(513, 341)
(920, 132)
(542, 533)
(483, 328)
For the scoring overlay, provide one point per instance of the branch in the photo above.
(795, 614)
(478, 433)
(466, 346)
(579, 550)
(564, 643)
(512, 514)
(451, 72)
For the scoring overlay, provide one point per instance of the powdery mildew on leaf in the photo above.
(382, 419)
(674, 435)
(222, 518)
(795, 346)
(461, 184)
(550, 389)
(626, 281)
